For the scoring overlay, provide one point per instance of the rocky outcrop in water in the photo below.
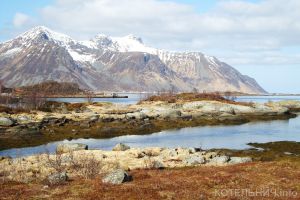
(108, 120)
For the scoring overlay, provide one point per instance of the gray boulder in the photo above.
(57, 178)
(65, 148)
(6, 121)
(194, 160)
(23, 118)
(121, 147)
(94, 118)
(238, 160)
(220, 160)
(158, 165)
(117, 177)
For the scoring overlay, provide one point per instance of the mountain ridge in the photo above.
(114, 63)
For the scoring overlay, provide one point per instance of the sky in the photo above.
(260, 38)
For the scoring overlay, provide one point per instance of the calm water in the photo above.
(134, 98)
(264, 99)
(234, 136)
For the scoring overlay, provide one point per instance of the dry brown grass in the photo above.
(51, 88)
(173, 98)
(187, 183)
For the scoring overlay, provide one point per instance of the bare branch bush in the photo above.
(195, 90)
(89, 96)
(55, 161)
(229, 96)
(34, 100)
(88, 166)
(1, 86)
(4, 174)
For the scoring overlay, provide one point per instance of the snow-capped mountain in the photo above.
(115, 64)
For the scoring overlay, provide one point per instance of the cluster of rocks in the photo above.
(148, 110)
(115, 163)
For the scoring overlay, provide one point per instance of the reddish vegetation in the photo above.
(51, 88)
(188, 183)
(172, 98)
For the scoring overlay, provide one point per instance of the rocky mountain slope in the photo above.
(113, 64)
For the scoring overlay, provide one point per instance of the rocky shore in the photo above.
(73, 160)
(76, 172)
(101, 120)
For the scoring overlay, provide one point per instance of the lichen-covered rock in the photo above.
(117, 177)
(57, 178)
(23, 118)
(121, 147)
(238, 160)
(153, 151)
(6, 121)
(65, 148)
(220, 160)
(194, 160)
(158, 165)
(210, 155)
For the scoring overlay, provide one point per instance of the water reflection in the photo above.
(233, 136)
(134, 98)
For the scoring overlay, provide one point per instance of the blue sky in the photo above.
(260, 38)
(8, 10)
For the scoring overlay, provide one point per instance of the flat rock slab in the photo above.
(65, 148)
(238, 160)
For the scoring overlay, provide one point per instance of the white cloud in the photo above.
(235, 30)
(20, 20)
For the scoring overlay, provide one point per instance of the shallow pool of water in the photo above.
(134, 98)
(233, 137)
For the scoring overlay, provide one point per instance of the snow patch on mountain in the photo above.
(11, 52)
(45, 33)
(90, 58)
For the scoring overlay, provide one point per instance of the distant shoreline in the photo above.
(222, 93)
(82, 96)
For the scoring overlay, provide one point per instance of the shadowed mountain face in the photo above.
(113, 64)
